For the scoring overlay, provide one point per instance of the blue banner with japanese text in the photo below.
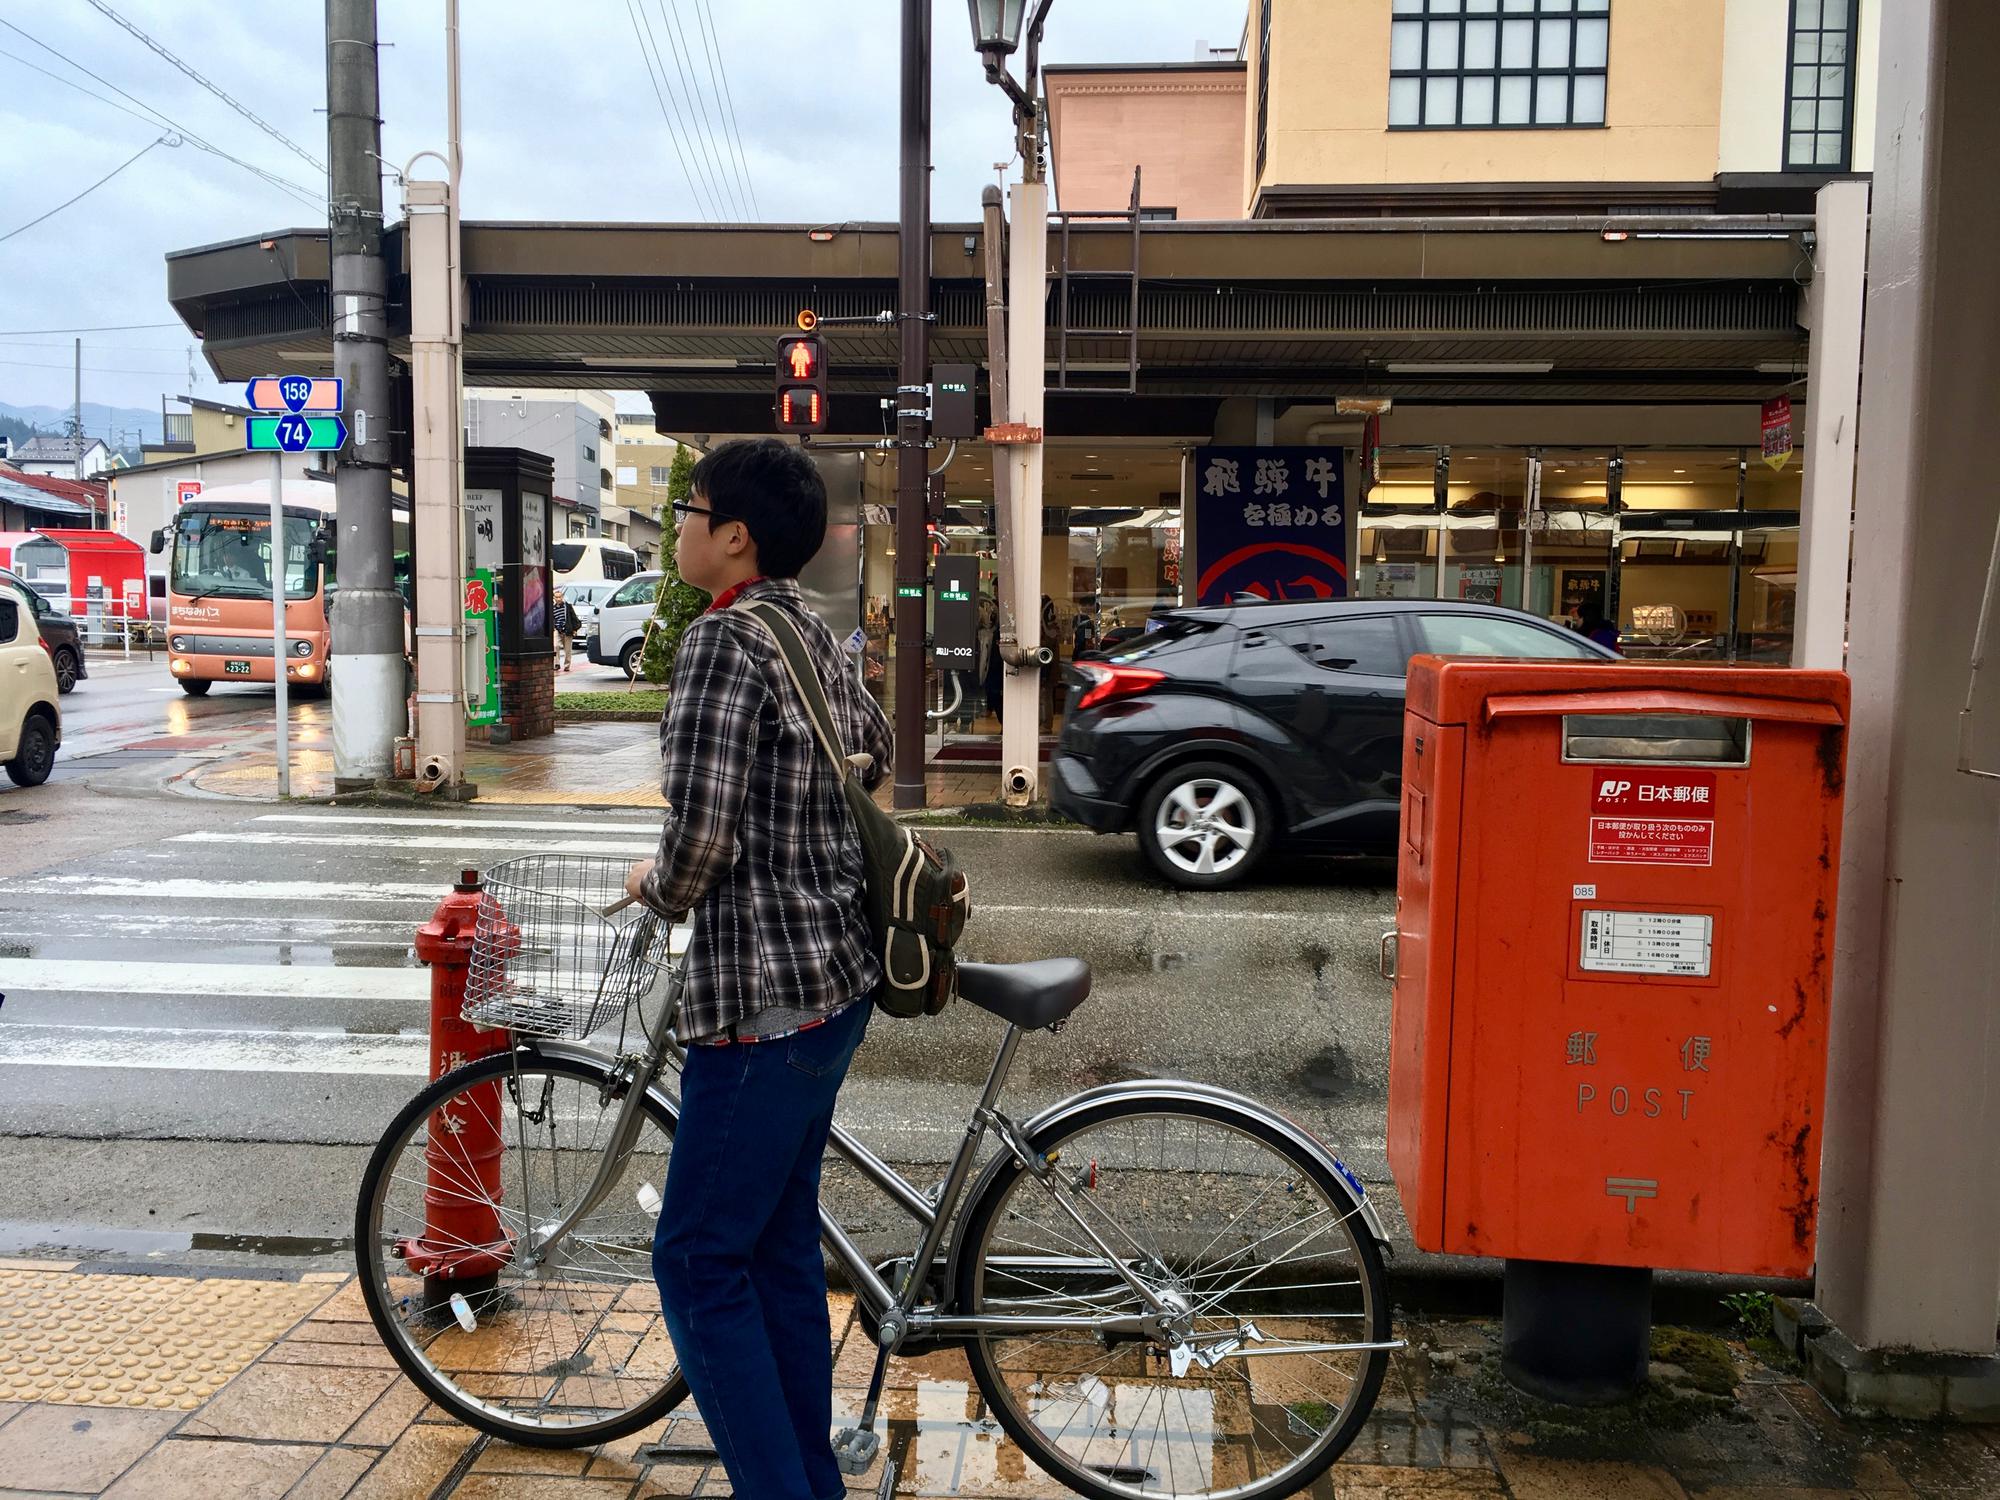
(1270, 522)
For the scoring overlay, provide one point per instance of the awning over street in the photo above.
(1650, 309)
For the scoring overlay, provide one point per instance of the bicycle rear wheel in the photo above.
(565, 1355)
(1260, 1248)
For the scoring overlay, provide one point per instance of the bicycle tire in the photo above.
(1114, 1481)
(394, 1320)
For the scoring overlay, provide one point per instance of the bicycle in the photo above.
(1108, 1273)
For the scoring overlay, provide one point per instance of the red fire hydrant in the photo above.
(462, 1248)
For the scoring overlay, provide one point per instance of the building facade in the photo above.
(63, 457)
(573, 427)
(1547, 106)
(645, 458)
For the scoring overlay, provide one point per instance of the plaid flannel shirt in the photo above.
(758, 841)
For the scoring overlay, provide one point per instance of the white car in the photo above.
(621, 623)
(30, 721)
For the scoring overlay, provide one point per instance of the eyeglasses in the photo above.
(683, 509)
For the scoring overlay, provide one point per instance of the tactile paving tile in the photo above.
(166, 1343)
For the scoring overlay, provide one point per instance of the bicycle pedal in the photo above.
(855, 1449)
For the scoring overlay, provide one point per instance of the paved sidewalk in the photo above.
(214, 1385)
(580, 765)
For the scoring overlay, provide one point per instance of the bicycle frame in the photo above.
(897, 1312)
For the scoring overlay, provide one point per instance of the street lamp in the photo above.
(996, 33)
(996, 27)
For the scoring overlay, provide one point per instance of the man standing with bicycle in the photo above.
(758, 844)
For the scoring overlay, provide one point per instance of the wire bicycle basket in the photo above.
(546, 960)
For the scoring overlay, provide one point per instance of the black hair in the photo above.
(775, 491)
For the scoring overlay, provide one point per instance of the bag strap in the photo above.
(799, 667)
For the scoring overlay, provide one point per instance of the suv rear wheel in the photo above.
(1205, 825)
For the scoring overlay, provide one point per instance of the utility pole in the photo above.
(1018, 381)
(367, 624)
(436, 381)
(913, 375)
(76, 411)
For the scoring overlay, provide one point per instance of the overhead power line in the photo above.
(693, 92)
(229, 99)
(22, 333)
(707, 19)
(154, 117)
(638, 15)
(165, 140)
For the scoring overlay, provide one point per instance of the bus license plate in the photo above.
(236, 668)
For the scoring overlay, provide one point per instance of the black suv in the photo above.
(1224, 729)
(58, 632)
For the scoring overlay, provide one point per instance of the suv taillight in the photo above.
(1108, 681)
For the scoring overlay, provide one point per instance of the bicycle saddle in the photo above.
(1031, 995)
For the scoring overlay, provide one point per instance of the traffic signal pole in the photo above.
(912, 457)
(367, 624)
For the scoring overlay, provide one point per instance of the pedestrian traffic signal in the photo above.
(801, 401)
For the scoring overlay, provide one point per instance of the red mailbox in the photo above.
(1614, 938)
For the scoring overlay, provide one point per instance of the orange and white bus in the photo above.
(219, 575)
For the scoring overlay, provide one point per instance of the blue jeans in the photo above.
(737, 1254)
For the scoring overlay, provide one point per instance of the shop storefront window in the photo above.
(1486, 491)
(1766, 488)
(1397, 540)
(1681, 479)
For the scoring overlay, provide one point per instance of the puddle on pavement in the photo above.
(93, 1241)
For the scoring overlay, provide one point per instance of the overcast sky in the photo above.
(561, 122)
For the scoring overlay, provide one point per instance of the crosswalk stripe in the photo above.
(97, 976)
(636, 848)
(180, 1050)
(172, 889)
(538, 825)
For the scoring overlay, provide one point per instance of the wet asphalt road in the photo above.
(213, 1007)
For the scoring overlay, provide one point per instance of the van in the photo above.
(30, 721)
(621, 624)
(592, 559)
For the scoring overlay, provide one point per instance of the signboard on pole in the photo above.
(186, 490)
(1270, 522)
(293, 434)
(293, 393)
(1778, 431)
(955, 612)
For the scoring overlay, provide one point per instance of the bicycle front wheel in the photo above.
(566, 1353)
(1275, 1284)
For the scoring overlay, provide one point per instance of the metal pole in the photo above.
(278, 653)
(1005, 542)
(368, 690)
(1021, 728)
(912, 463)
(77, 420)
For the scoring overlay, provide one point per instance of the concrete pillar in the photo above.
(1909, 1256)
(1833, 371)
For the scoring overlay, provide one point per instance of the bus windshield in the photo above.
(220, 556)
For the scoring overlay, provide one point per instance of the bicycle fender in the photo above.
(1169, 1090)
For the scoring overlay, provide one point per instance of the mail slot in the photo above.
(1614, 938)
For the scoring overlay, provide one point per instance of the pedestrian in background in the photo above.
(781, 970)
(565, 624)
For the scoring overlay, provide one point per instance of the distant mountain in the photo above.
(115, 424)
